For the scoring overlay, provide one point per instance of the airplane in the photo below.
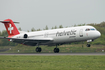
(50, 37)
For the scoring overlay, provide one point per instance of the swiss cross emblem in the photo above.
(10, 28)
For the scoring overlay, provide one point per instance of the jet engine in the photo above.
(25, 36)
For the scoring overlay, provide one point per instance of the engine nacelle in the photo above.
(25, 36)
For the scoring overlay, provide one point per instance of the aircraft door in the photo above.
(46, 35)
(81, 33)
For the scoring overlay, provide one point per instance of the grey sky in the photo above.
(39, 13)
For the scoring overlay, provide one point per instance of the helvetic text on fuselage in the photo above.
(66, 33)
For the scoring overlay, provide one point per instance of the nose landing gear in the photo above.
(88, 45)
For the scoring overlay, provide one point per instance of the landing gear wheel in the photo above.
(38, 49)
(88, 45)
(56, 50)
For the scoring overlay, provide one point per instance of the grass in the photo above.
(65, 62)
(45, 49)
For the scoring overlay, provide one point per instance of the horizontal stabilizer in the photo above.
(8, 22)
(4, 21)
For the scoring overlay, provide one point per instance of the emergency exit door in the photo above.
(81, 33)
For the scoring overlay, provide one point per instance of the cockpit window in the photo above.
(92, 29)
(88, 29)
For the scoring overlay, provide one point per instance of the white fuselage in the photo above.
(64, 35)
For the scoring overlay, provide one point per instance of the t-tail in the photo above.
(10, 27)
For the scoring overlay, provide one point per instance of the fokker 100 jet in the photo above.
(50, 37)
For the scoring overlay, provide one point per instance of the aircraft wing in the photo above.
(28, 41)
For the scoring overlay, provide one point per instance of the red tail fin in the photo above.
(10, 27)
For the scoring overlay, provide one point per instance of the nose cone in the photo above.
(98, 34)
(94, 34)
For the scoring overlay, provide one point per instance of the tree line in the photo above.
(100, 27)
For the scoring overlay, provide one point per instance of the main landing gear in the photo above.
(56, 50)
(38, 49)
